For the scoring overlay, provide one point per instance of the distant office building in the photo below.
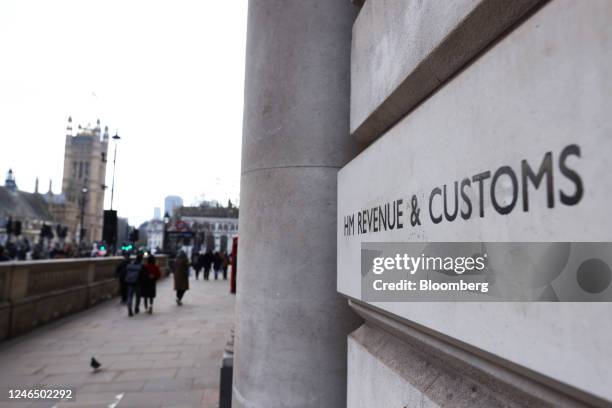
(210, 227)
(171, 203)
(155, 235)
(157, 213)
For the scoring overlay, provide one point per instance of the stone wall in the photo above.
(439, 91)
(444, 90)
(38, 292)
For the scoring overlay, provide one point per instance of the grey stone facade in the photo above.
(438, 91)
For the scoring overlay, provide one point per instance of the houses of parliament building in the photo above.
(80, 205)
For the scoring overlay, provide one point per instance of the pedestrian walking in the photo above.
(196, 264)
(3, 255)
(11, 250)
(224, 263)
(216, 263)
(149, 284)
(120, 272)
(201, 264)
(133, 278)
(207, 262)
(181, 276)
(23, 247)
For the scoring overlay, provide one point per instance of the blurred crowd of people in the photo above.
(23, 250)
(137, 276)
(217, 261)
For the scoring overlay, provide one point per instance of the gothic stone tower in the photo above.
(84, 178)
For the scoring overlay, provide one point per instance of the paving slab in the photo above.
(170, 358)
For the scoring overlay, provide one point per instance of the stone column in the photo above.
(291, 325)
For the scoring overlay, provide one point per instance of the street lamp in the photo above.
(82, 232)
(166, 222)
(116, 138)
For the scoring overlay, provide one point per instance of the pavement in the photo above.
(168, 359)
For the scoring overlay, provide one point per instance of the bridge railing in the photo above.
(33, 293)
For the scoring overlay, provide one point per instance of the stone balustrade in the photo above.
(33, 293)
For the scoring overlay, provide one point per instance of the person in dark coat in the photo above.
(201, 264)
(224, 263)
(22, 250)
(207, 262)
(134, 276)
(195, 262)
(181, 276)
(120, 275)
(11, 250)
(3, 256)
(217, 261)
(149, 283)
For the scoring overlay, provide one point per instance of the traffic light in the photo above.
(127, 247)
(109, 229)
(9, 226)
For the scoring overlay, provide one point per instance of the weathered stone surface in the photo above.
(545, 86)
(299, 104)
(403, 50)
(290, 310)
(290, 345)
(387, 371)
(38, 292)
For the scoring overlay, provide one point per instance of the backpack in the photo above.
(132, 274)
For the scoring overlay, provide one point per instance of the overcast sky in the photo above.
(168, 75)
